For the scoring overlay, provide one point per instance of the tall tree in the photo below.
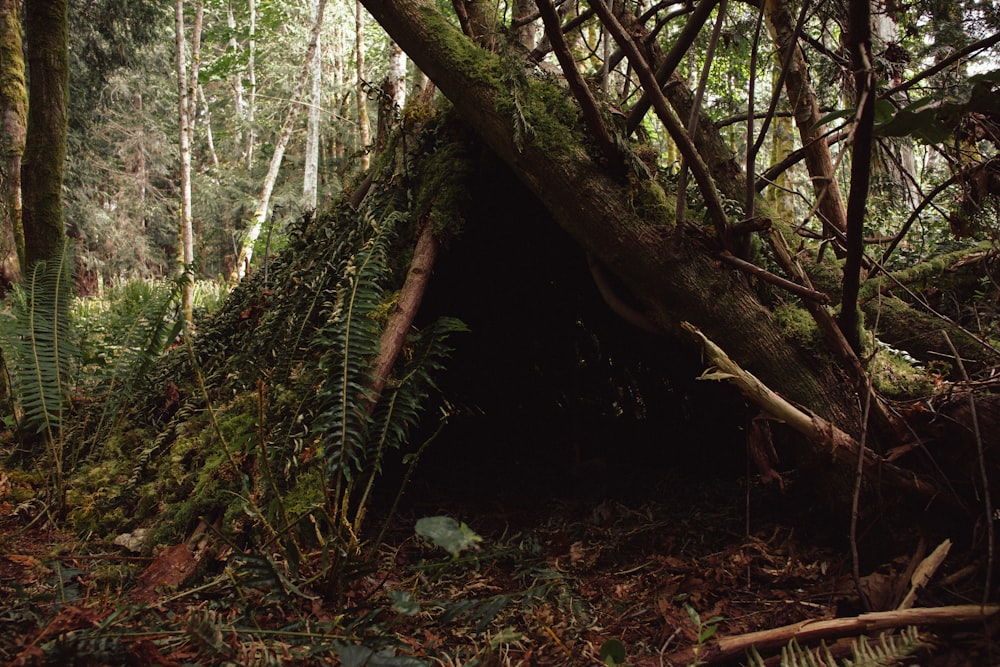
(47, 38)
(185, 215)
(262, 212)
(310, 186)
(13, 106)
(364, 127)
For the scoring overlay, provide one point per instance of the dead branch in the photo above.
(822, 433)
(402, 315)
(807, 632)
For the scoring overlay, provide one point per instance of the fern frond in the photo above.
(351, 339)
(41, 352)
(889, 648)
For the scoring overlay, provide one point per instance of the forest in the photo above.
(496, 333)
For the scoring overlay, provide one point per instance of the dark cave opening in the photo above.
(550, 393)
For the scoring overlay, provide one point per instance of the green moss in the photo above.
(797, 325)
(896, 378)
(443, 194)
(649, 201)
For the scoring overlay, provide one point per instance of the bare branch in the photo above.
(577, 85)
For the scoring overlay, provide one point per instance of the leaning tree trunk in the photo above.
(624, 223)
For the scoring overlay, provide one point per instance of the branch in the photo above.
(984, 43)
(669, 119)
(729, 648)
(677, 52)
(768, 277)
(577, 85)
(401, 317)
(822, 433)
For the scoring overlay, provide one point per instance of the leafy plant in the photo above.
(447, 533)
(41, 354)
(705, 628)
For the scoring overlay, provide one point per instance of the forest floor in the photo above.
(558, 579)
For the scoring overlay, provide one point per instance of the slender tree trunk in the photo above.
(262, 212)
(45, 144)
(798, 87)
(364, 127)
(13, 106)
(859, 45)
(237, 84)
(252, 83)
(185, 233)
(310, 184)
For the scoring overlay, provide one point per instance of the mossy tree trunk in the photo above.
(14, 107)
(45, 145)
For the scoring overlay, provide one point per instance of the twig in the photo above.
(840, 445)
(924, 572)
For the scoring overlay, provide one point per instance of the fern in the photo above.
(350, 340)
(142, 320)
(40, 349)
(888, 649)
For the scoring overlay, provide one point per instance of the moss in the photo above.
(798, 325)
(896, 378)
(443, 194)
(649, 201)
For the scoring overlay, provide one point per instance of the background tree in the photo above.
(13, 103)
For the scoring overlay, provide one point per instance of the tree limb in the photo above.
(822, 433)
(577, 85)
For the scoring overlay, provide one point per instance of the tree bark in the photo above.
(45, 145)
(13, 125)
(802, 97)
(185, 233)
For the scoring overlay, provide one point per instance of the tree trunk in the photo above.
(606, 216)
(45, 145)
(262, 212)
(798, 87)
(364, 128)
(310, 185)
(13, 106)
(185, 232)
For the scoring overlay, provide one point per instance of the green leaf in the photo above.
(832, 116)
(613, 652)
(403, 603)
(447, 533)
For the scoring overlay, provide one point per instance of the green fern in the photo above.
(124, 336)
(351, 340)
(40, 350)
(887, 649)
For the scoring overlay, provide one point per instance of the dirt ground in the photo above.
(647, 578)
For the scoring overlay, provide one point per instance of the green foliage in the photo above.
(40, 349)
(447, 533)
